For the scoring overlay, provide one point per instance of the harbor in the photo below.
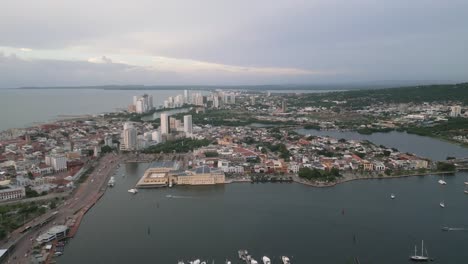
(354, 215)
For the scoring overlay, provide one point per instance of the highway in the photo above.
(86, 194)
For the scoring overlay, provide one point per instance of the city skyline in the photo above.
(219, 42)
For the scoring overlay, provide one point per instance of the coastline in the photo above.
(332, 184)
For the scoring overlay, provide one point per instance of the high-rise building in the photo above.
(129, 136)
(186, 97)
(455, 111)
(172, 124)
(164, 124)
(156, 136)
(188, 124)
(142, 104)
(216, 101)
(252, 100)
(283, 107)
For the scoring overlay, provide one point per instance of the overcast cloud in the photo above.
(88, 42)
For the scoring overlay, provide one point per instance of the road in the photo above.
(86, 194)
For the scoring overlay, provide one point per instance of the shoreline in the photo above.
(296, 179)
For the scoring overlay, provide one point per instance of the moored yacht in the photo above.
(285, 260)
(420, 258)
(266, 260)
(134, 191)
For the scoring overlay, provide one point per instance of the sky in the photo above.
(216, 42)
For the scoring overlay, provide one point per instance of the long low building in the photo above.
(12, 193)
(165, 176)
(55, 232)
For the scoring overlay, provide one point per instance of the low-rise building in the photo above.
(12, 194)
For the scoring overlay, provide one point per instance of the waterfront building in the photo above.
(12, 194)
(142, 104)
(455, 111)
(163, 176)
(164, 124)
(188, 125)
(55, 232)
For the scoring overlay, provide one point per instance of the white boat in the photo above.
(421, 257)
(180, 262)
(442, 182)
(285, 260)
(466, 183)
(170, 184)
(134, 191)
(253, 261)
(228, 262)
(466, 191)
(111, 182)
(392, 196)
(266, 260)
(197, 261)
(442, 204)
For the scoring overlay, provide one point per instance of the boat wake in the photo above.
(179, 197)
(454, 229)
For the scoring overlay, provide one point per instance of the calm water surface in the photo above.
(328, 225)
(22, 108)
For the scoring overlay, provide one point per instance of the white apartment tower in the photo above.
(188, 124)
(164, 124)
(186, 96)
(129, 136)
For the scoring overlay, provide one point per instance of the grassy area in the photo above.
(179, 146)
(12, 216)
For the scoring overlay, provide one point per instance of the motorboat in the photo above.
(285, 260)
(111, 182)
(266, 260)
(392, 196)
(197, 261)
(253, 261)
(442, 182)
(134, 191)
(419, 258)
(442, 204)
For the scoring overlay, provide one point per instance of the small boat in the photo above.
(228, 262)
(466, 183)
(442, 182)
(197, 261)
(392, 196)
(111, 182)
(285, 260)
(180, 262)
(253, 261)
(170, 184)
(266, 260)
(442, 204)
(134, 191)
(243, 254)
(466, 191)
(420, 258)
